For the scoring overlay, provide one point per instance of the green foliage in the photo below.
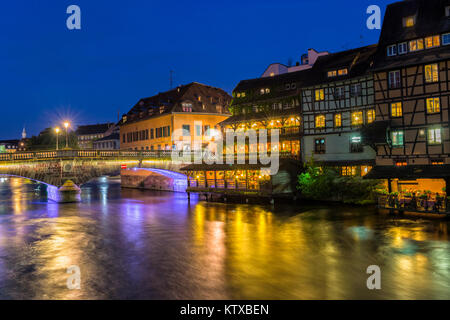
(46, 140)
(325, 183)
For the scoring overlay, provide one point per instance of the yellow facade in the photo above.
(148, 139)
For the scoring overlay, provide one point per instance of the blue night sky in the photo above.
(125, 50)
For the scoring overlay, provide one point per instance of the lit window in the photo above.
(267, 90)
(431, 73)
(396, 109)
(319, 146)
(331, 74)
(320, 95)
(348, 170)
(446, 39)
(402, 48)
(272, 74)
(357, 118)
(397, 138)
(401, 163)
(365, 170)
(437, 162)
(342, 72)
(394, 79)
(370, 116)
(416, 45)
(409, 21)
(338, 120)
(431, 42)
(320, 121)
(392, 50)
(187, 107)
(433, 105)
(434, 136)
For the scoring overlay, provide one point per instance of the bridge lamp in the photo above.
(67, 125)
(57, 130)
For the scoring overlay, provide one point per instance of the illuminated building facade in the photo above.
(411, 82)
(337, 102)
(193, 111)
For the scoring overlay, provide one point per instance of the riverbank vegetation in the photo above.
(325, 183)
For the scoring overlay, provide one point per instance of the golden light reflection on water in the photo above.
(132, 244)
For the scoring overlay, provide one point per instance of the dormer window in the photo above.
(264, 90)
(433, 41)
(409, 21)
(415, 45)
(342, 72)
(186, 107)
(331, 73)
(392, 50)
(402, 48)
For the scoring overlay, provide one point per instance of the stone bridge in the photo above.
(56, 168)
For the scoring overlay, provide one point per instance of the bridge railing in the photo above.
(61, 154)
(109, 154)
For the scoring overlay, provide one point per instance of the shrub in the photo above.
(325, 183)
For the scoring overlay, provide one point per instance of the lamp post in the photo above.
(66, 125)
(57, 136)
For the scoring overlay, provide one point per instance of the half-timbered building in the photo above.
(411, 81)
(336, 103)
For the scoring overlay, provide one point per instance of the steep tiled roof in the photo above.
(114, 136)
(171, 101)
(357, 61)
(430, 20)
(93, 129)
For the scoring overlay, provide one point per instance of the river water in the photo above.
(131, 244)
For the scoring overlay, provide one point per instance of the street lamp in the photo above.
(67, 125)
(57, 136)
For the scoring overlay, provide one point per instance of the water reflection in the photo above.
(134, 244)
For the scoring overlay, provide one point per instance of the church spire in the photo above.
(24, 133)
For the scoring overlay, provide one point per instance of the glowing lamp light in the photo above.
(57, 130)
(66, 124)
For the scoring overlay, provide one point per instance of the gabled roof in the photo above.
(94, 128)
(430, 20)
(357, 61)
(114, 136)
(171, 101)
